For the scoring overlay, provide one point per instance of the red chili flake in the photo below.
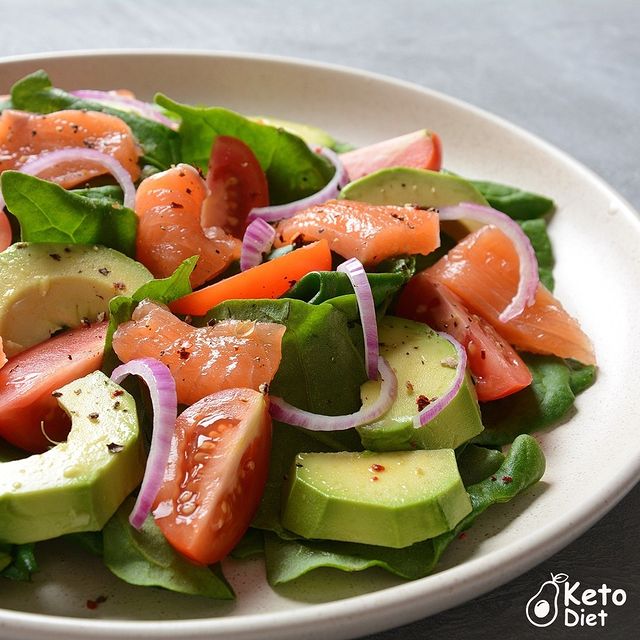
(93, 604)
(184, 353)
(409, 386)
(94, 416)
(483, 354)
(507, 479)
(422, 402)
(119, 286)
(117, 392)
(374, 479)
(462, 536)
(188, 190)
(375, 467)
(176, 205)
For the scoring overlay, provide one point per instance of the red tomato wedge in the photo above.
(370, 232)
(3, 357)
(5, 231)
(497, 369)
(267, 280)
(420, 149)
(28, 380)
(216, 474)
(236, 184)
(483, 270)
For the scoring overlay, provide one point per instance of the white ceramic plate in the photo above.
(592, 459)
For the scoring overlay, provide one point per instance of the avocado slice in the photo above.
(78, 484)
(419, 187)
(313, 136)
(421, 360)
(391, 499)
(48, 287)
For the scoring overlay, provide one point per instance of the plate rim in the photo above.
(460, 583)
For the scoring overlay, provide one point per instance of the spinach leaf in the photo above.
(320, 286)
(546, 401)
(90, 541)
(321, 369)
(293, 171)
(145, 558)
(22, 564)
(109, 193)
(164, 290)
(160, 144)
(49, 213)
(536, 231)
(287, 560)
(251, 544)
(477, 463)
(519, 204)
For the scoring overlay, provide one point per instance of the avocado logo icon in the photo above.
(542, 608)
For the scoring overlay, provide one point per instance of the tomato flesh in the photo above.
(5, 231)
(236, 183)
(216, 474)
(28, 380)
(497, 369)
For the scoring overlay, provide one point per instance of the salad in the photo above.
(230, 335)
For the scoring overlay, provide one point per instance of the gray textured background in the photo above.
(568, 71)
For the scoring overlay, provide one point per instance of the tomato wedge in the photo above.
(236, 183)
(497, 369)
(267, 280)
(216, 474)
(28, 380)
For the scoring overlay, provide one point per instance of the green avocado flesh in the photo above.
(390, 499)
(48, 287)
(424, 364)
(419, 187)
(78, 484)
(313, 136)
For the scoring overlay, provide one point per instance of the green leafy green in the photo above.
(252, 544)
(536, 231)
(110, 193)
(22, 562)
(49, 213)
(287, 560)
(317, 351)
(160, 144)
(545, 402)
(477, 463)
(320, 286)
(519, 204)
(145, 558)
(293, 171)
(90, 541)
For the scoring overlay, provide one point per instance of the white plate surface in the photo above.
(592, 459)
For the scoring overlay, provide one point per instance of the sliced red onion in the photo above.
(367, 307)
(329, 191)
(112, 98)
(528, 282)
(257, 240)
(162, 389)
(37, 164)
(437, 405)
(284, 412)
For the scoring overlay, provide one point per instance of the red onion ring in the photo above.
(145, 109)
(37, 164)
(528, 268)
(435, 407)
(162, 389)
(257, 240)
(284, 412)
(329, 191)
(358, 277)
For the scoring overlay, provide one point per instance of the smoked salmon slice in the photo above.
(169, 205)
(371, 233)
(482, 270)
(204, 360)
(26, 135)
